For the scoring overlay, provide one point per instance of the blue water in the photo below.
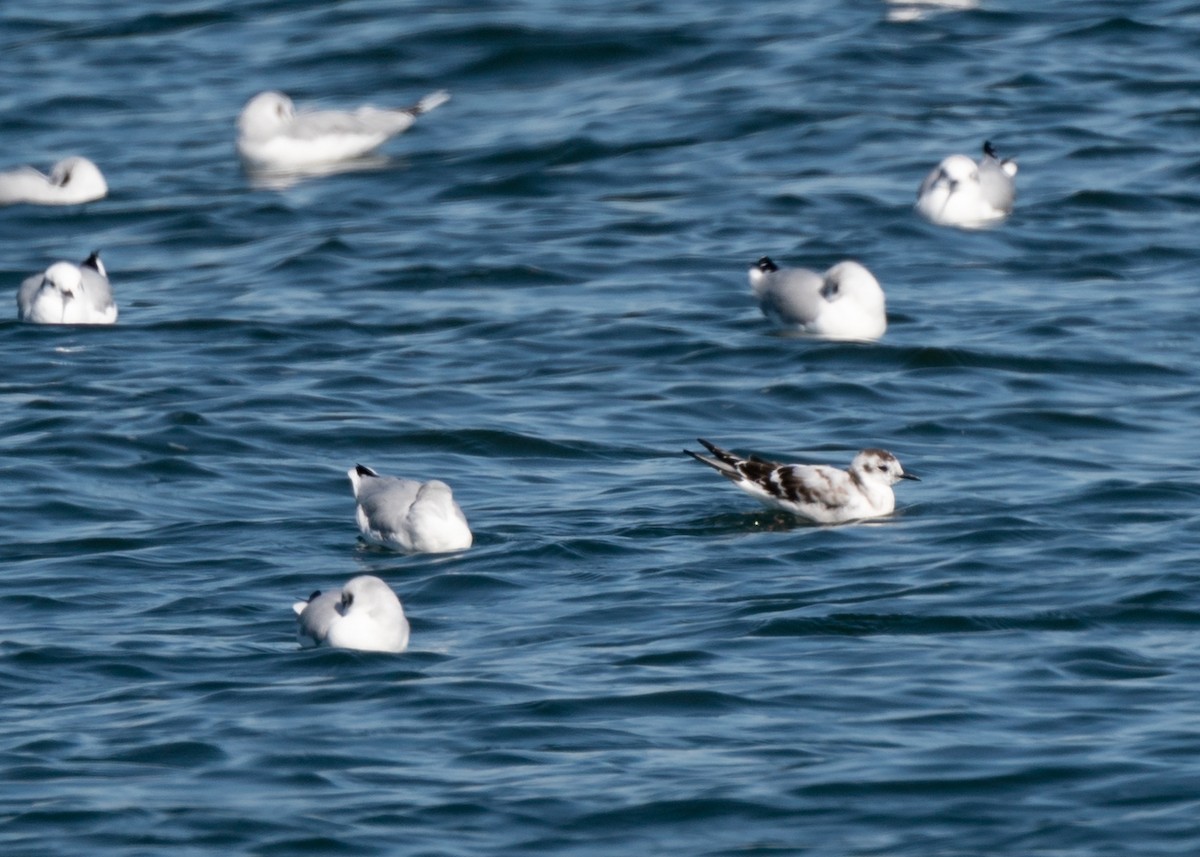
(541, 298)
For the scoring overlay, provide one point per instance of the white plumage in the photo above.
(412, 516)
(815, 492)
(960, 192)
(71, 181)
(846, 302)
(68, 294)
(364, 614)
(274, 135)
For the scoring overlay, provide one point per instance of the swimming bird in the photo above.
(916, 10)
(960, 192)
(71, 181)
(67, 294)
(846, 302)
(364, 614)
(274, 135)
(412, 516)
(816, 492)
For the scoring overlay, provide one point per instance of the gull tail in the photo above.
(300, 605)
(1008, 165)
(430, 101)
(357, 473)
(725, 462)
(93, 262)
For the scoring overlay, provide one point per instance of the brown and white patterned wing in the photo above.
(817, 491)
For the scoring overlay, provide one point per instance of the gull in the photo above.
(960, 192)
(274, 135)
(71, 181)
(846, 302)
(816, 492)
(411, 516)
(916, 10)
(68, 294)
(364, 614)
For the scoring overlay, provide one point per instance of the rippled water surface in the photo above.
(540, 297)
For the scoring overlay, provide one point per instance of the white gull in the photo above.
(916, 10)
(71, 181)
(960, 192)
(846, 302)
(364, 614)
(68, 294)
(816, 492)
(412, 516)
(274, 135)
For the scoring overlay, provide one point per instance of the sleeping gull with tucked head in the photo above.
(274, 135)
(960, 192)
(68, 294)
(815, 492)
(846, 302)
(364, 614)
(72, 181)
(411, 516)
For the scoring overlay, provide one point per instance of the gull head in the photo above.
(64, 278)
(61, 284)
(370, 597)
(957, 170)
(879, 465)
(265, 115)
(851, 281)
(370, 618)
(78, 172)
